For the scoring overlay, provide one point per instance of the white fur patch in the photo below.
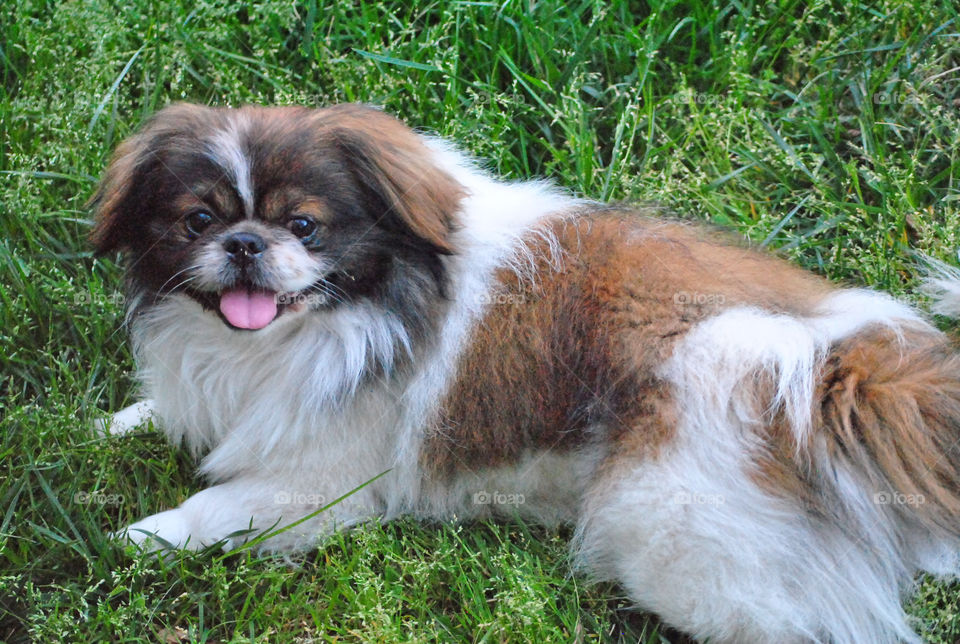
(942, 285)
(226, 150)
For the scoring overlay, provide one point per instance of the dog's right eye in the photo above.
(196, 222)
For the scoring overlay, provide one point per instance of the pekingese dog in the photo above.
(322, 299)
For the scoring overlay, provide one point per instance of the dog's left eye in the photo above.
(196, 222)
(302, 227)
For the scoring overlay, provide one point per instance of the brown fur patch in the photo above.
(282, 202)
(572, 355)
(392, 161)
(889, 411)
(892, 409)
(218, 194)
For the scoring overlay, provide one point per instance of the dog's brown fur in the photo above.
(577, 347)
(891, 408)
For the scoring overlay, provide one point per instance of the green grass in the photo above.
(827, 130)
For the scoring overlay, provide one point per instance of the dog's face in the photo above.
(255, 212)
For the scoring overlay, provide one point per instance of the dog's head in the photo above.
(255, 211)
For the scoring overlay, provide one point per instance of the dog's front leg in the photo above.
(243, 509)
(126, 419)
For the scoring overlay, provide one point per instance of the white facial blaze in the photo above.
(226, 150)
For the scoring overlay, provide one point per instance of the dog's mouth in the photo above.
(251, 309)
(246, 307)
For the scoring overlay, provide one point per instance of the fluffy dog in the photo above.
(319, 297)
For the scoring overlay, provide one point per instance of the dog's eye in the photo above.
(302, 227)
(196, 222)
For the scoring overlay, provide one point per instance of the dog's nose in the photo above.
(244, 247)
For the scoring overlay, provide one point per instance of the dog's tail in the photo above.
(850, 418)
(889, 410)
(881, 466)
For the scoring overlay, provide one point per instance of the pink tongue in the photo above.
(248, 310)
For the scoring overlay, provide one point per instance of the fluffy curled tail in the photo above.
(891, 411)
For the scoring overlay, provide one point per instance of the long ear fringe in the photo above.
(393, 163)
(108, 233)
(112, 228)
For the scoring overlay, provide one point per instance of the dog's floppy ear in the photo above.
(115, 205)
(112, 225)
(398, 172)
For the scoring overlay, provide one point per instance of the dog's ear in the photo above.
(117, 213)
(398, 172)
(110, 203)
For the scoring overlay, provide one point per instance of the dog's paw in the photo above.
(124, 420)
(168, 530)
(173, 530)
